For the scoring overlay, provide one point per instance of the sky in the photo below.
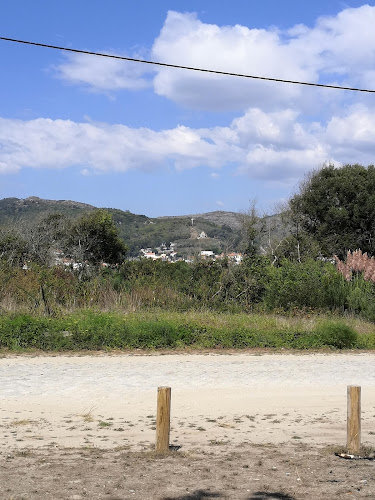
(163, 141)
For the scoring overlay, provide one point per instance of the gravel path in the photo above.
(111, 375)
(83, 400)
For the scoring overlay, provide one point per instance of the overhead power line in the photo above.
(190, 68)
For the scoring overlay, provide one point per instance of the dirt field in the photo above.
(249, 427)
(250, 472)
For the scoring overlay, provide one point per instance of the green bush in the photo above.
(337, 334)
(295, 285)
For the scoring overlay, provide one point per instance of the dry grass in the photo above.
(87, 417)
(18, 423)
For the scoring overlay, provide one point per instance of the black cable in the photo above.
(123, 58)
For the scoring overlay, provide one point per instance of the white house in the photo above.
(207, 253)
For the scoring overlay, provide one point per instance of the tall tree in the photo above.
(13, 249)
(336, 206)
(252, 229)
(94, 238)
(45, 236)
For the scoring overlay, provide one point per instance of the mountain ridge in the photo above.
(221, 229)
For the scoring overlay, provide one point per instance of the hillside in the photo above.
(222, 230)
(15, 210)
(219, 217)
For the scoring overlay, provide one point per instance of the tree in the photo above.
(47, 235)
(298, 247)
(13, 249)
(251, 229)
(94, 238)
(34, 242)
(294, 243)
(336, 207)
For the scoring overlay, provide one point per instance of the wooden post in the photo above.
(353, 442)
(163, 419)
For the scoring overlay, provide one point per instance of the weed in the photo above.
(217, 442)
(102, 424)
(23, 422)
(87, 417)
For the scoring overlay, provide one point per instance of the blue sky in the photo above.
(161, 141)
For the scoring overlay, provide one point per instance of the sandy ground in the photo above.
(280, 411)
(109, 401)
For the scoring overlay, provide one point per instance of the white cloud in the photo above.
(46, 143)
(352, 136)
(271, 146)
(103, 74)
(184, 39)
(343, 44)
(338, 49)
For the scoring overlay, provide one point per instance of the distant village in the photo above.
(164, 253)
(169, 254)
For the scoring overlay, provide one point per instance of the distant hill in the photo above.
(221, 230)
(13, 210)
(219, 217)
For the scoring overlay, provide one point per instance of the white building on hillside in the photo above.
(207, 253)
(202, 235)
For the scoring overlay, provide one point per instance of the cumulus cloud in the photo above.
(352, 136)
(338, 49)
(103, 74)
(61, 143)
(275, 146)
(184, 39)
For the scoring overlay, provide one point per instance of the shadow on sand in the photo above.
(258, 495)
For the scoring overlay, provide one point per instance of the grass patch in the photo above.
(18, 423)
(90, 330)
(87, 417)
(103, 424)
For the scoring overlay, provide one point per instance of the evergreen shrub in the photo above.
(337, 334)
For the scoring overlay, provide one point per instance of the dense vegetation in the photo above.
(292, 295)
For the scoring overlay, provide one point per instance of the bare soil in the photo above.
(251, 472)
